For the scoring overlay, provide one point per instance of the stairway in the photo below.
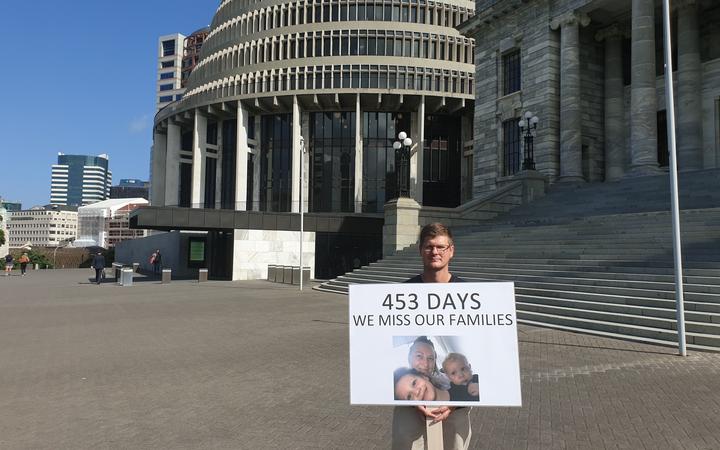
(595, 258)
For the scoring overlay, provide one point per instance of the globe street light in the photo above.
(527, 125)
(402, 148)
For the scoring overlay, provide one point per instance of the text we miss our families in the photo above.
(433, 309)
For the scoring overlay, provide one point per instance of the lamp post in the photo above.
(527, 125)
(302, 208)
(402, 147)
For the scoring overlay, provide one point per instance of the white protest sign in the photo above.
(469, 328)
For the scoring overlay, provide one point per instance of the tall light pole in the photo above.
(674, 201)
(527, 125)
(302, 208)
(402, 147)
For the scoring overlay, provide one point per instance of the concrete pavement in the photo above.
(256, 365)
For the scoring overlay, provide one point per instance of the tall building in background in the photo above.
(80, 179)
(131, 188)
(44, 226)
(170, 52)
(177, 57)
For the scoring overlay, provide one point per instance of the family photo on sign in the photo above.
(430, 378)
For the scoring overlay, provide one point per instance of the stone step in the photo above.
(621, 330)
(621, 310)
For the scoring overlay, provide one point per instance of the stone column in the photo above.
(197, 199)
(157, 177)
(172, 166)
(689, 101)
(570, 116)
(643, 102)
(297, 158)
(358, 156)
(416, 158)
(241, 157)
(615, 150)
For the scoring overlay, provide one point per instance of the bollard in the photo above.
(287, 274)
(166, 276)
(136, 266)
(271, 272)
(127, 276)
(202, 275)
(296, 275)
(37, 266)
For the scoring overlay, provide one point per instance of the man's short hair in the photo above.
(433, 230)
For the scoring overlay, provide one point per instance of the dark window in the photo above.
(166, 64)
(210, 181)
(511, 145)
(166, 75)
(211, 134)
(166, 87)
(168, 48)
(380, 130)
(511, 72)
(441, 161)
(186, 141)
(276, 163)
(166, 98)
(663, 154)
(332, 152)
(227, 167)
(184, 196)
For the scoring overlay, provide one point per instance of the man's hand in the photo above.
(474, 389)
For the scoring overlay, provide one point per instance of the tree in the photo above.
(2, 236)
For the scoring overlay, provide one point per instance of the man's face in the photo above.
(436, 253)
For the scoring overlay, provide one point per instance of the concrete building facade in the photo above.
(80, 179)
(41, 226)
(593, 72)
(321, 89)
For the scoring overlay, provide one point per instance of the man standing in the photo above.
(156, 260)
(409, 430)
(99, 265)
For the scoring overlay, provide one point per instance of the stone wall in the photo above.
(255, 249)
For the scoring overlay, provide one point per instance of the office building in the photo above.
(80, 179)
(131, 188)
(43, 226)
(169, 69)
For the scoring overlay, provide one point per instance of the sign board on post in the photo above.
(472, 327)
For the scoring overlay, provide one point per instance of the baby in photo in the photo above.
(464, 385)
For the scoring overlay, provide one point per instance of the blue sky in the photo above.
(79, 77)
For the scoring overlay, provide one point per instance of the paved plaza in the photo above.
(256, 365)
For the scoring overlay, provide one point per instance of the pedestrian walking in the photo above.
(156, 261)
(408, 429)
(99, 265)
(23, 260)
(9, 263)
